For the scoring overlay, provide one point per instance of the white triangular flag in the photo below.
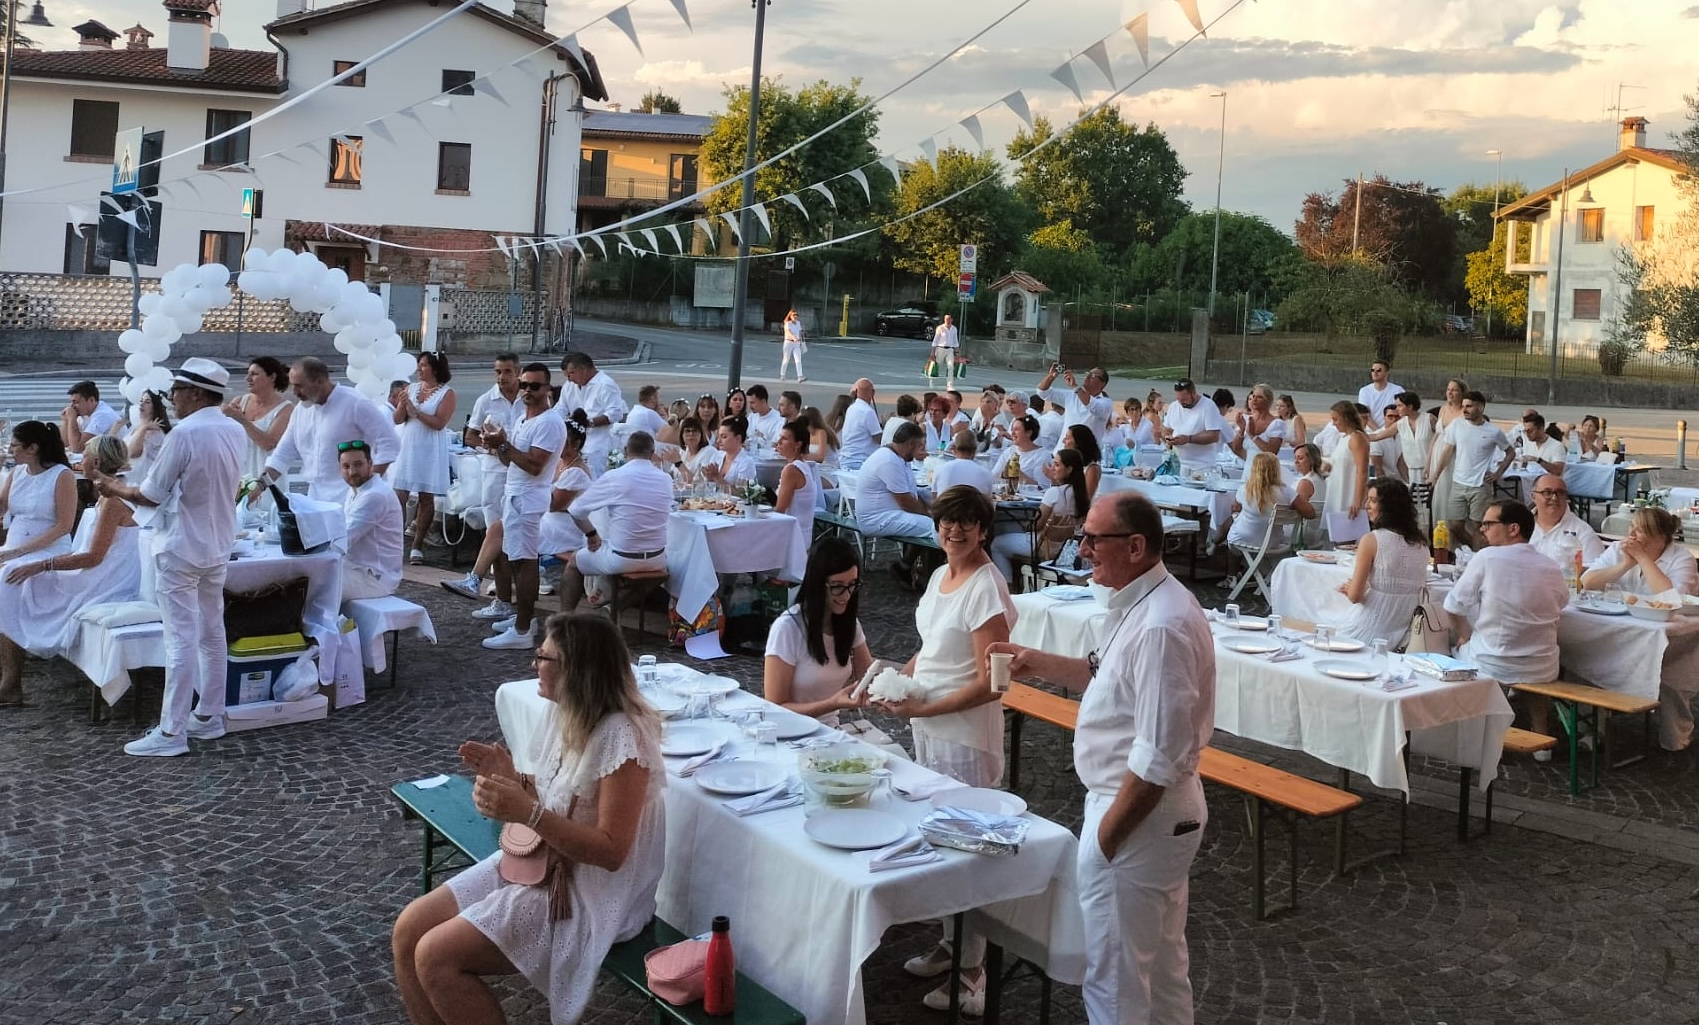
(861, 178)
(128, 217)
(345, 140)
(445, 102)
(526, 65)
(412, 115)
(821, 188)
(603, 246)
(678, 5)
(554, 245)
(77, 215)
(574, 243)
(112, 201)
(731, 219)
(1016, 101)
(1065, 75)
(791, 198)
(672, 229)
(625, 238)
(621, 18)
(1191, 9)
(379, 129)
(707, 231)
(892, 165)
(488, 88)
(501, 244)
(1099, 54)
(1139, 29)
(930, 148)
(649, 233)
(971, 123)
(189, 183)
(760, 213)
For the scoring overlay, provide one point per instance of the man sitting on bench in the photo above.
(639, 498)
(887, 503)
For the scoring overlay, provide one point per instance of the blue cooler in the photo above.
(255, 663)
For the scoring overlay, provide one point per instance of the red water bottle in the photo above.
(719, 974)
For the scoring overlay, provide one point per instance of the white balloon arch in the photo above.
(347, 309)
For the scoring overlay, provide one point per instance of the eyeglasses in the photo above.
(1549, 492)
(1491, 523)
(533, 385)
(538, 656)
(352, 446)
(839, 590)
(1092, 539)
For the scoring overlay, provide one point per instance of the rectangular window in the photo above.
(1591, 226)
(454, 167)
(354, 81)
(345, 154)
(94, 128)
(458, 83)
(231, 149)
(1587, 304)
(1643, 224)
(593, 172)
(81, 256)
(681, 179)
(221, 247)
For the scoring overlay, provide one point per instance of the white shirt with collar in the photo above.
(1150, 710)
(373, 517)
(860, 435)
(959, 471)
(493, 405)
(315, 430)
(766, 426)
(638, 497)
(598, 396)
(1201, 417)
(531, 491)
(1676, 562)
(1095, 412)
(945, 336)
(1550, 542)
(193, 481)
(100, 420)
(1513, 596)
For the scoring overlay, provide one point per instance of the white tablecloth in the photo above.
(1219, 504)
(106, 655)
(806, 916)
(702, 545)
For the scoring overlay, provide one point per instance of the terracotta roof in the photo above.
(319, 231)
(1020, 279)
(94, 29)
(588, 74)
(252, 71)
(192, 6)
(1536, 203)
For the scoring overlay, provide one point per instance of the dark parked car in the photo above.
(1458, 325)
(917, 320)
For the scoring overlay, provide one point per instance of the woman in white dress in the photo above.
(263, 413)
(958, 722)
(1455, 389)
(151, 423)
(1060, 513)
(1023, 432)
(595, 800)
(792, 355)
(422, 467)
(1391, 568)
(39, 504)
(1286, 411)
(1259, 496)
(40, 596)
(816, 651)
(1350, 459)
(1648, 561)
(1311, 489)
(558, 533)
(799, 481)
(1259, 429)
(733, 466)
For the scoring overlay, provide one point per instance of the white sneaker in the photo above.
(503, 625)
(972, 996)
(512, 639)
(545, 589)
(156, 743)
(416, 557)
(934, 962)
(495, 610)
(466, 586)
(206, 729)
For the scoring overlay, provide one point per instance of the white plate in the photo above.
(1347, 670)
(1602, 608)
(792, 726)
(996, 802)
(1250, 623)
(684, 739)
(1337, 644)
(855, 829)
(703, 684)
(1251, 645)
(664, 701)
(1324, 557)
(738, 778)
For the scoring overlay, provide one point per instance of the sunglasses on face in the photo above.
(533, 385)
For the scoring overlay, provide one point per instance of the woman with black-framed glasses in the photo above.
(816, 651)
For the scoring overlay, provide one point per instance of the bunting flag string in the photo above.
(971, 123)
(793, 200)
(861, 179)
(760, 213)
(621, 19)
(731, 220)
(488, 88)
(603, 246)
(821, 188)
(649, 236)
(894, 166)
(1065, 75)
(1016, 101)
(930, 148)
(708, 232)
(1098, 53)
(672, 229)
(1139, 29)
(683, 14)
(570, 41)
(379, 129)
(1192, 15)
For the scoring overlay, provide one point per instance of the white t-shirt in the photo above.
(492, 405)
(642, 418)
(1250, 523)
(787, 641)
(1550, 543)
(1203, 416)
(1475, 450)
(100, 421)
(538, 432)
(958, 471)
(1095, 413)
(766, 426)
(1550, 450)
(861, 428)
(1513, 596)
(1032, 463)
(1379, 401)
(946, 660)
(883, 474)
(1050, 427)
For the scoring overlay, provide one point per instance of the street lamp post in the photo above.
(38, 19)
(1492, 282)
(745, 218)
(1220, 164)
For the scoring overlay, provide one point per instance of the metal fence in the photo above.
(479, 312)
(60, 302)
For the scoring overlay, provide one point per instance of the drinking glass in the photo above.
(647, 672)
(1231, 613)
(766, 741)
(1377, 655)
(1274, 630)
(1324, 637)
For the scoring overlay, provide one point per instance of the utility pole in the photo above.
(1492, 282)
(1220, 164)
(746, 219)
(1557, 288)
(1357, 217)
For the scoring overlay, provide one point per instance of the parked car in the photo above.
(917, 320)
(1259, 322)
(1456, 324)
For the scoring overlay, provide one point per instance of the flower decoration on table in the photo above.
(1657, 498)
(751, 493)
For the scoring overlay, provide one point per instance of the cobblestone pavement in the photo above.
(256, 880)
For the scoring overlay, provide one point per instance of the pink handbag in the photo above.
(677, 973)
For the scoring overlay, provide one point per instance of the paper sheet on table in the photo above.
(430, 783)
(1344, 529)
(704, 646)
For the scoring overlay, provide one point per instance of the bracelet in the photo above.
(536, 816)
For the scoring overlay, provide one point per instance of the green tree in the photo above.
(1116, 182)
(1472, 206)
(1251, 250)
(1354, 297)
(1500, 297)
(657, 102)
(1065, 258)
(787, 118)
(1399, 225)
(989, 215)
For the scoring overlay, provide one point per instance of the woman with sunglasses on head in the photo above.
(150, 423)
(816, 651)
(734, 465)
(737, 403)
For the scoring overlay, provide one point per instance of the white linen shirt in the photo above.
(531, 491)
(1379, 401)
(1050, 428)
(598, 397)
(1676, 562)
(1203, 416)
(1095, 413)
(1474, 450)
(766, 426)
(100, 421)
(493, 405)
(193, 481)
(1513, 596)
(1150, 710)
(642, 418)
(957, 472)
(638, 497)
(315, 430)
(946, 337)
(1550, 542)
(860, 434)
(373, 517)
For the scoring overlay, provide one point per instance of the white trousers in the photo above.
(792, 354)
(494, 488)
(360, 583)
(1135, 912)
(945, 357)
(196, 654)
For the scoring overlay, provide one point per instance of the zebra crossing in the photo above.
(41, 398)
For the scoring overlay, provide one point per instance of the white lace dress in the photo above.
(39, 614)
(422, 465)
(1395, 585)
(562, 959)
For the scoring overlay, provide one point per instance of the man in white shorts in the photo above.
(638, 498)
(1472, 442)
(499, 406)
(531, 452)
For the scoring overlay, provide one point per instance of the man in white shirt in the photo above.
(1379, 393)
(909, 410)
(327, 413)
(1507, 604)
(1082, 402)
(1538, 448)
(790, 406)
(945, 343)
(1050, 423)
(860, 436)
(371, 567)
(765, 423)
(963, 469)
(1193, 425)
(646, 415)
(499, 406)
(1558, 532)
(887, 503)
(85, 416)
(598, 396)
(1473, 444)
(531, 452)
(635, 499)
(1147, 713)
(192, 482)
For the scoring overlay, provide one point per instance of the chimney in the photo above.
(530, 10)
(1634, 132)
(136, 37)
(615, 107)
(287, 7)
(92, 35)
(188, 39)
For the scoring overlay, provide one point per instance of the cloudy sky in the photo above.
(1318, 90)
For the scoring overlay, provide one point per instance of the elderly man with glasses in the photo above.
(1081, 402)
(1558, 532)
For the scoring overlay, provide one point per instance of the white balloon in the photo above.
(388, 345)
(214, 275)
(158, 379)
(191, 324)
(361, 336)
(159, 326)
(400, 366)
(181, 278)
(282, 261)
(353, 294)
(301, 301)
(359, 358)
(131, 340)
(337, 277)
(386, 327)
(149, 304)
(326, 295)
(137, 365)
(131, 389)
(255, 256)
(156, 349)
(264, 287)
(373, 388)
(174, 307)
(330, 323)
(371, 310)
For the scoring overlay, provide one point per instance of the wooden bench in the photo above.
(451, 821)
(1579, 705)
(1030, 702)
(633, 590)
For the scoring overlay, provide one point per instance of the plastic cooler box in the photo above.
(255, 663)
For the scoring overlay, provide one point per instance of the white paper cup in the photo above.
(1000, 671)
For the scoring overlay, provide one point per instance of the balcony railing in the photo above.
(651, 189)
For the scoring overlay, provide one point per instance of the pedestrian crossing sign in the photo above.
(253, 202)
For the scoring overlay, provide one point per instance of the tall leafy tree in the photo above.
(1065, 258)
(1115, 181)
(1657, 290)
(1354, 296)
(1500, 299)
(1399, 225)
(657, 102)
(1251, 250)
(988, 215)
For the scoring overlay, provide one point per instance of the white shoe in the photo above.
(1543, 756)
(934, 962)
(503, 625)
(466, 586)
(512, 639)
(495, 610)
(206, 729)
(972, 996)
(416, 557)
(545, 589)
(156, 743)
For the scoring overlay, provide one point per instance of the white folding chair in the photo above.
(1276, 541)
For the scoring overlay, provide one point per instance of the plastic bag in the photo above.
(300, 679)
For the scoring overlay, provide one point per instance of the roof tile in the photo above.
(240, 70)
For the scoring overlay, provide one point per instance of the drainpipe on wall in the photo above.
(545, 138)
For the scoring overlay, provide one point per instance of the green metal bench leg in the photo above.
(956, 966)
(1254, 818)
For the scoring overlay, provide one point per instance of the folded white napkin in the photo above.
(711, 755)
(1285, 654)
(786, 794)
(905, 853)
(923, 790)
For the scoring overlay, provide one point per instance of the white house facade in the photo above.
(472, 160)
(1622, 201)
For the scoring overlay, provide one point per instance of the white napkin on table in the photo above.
(926, 788)
(1285, 654)
(711, 755)
(787, 794)
(905, 853)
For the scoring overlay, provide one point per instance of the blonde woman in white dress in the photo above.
(1349, 480)
(422, 467)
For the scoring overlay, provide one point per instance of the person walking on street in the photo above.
(946, 340)
(793, 347)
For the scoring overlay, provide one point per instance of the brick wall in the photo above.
(459, 266)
